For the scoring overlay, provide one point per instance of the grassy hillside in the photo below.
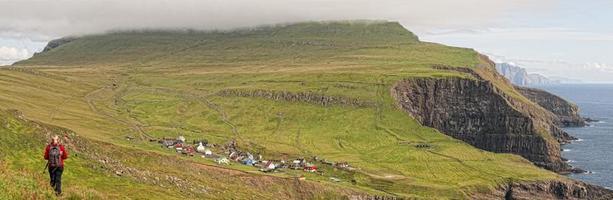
(218, 86)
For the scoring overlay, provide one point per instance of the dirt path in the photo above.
(299, 144)
(136, 126)
(57, 108)
(462, 162)
(220, 111)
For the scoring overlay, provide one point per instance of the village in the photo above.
(230, 153)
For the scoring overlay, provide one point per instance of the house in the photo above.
(282, 164)
(297, 164)
(203, 142)
(248, 161)
(189, 150)
(310, 168)
(231, 146)
(235, 156)
(167, 143)
(181, 139)
(200, 148)
(342, 165)
(316, 158)
(222, 161)
(208, 152)
(268, 166)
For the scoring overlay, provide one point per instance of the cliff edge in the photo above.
(555, 189)
(486, 111)
(567, 113)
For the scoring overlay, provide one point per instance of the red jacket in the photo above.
(62, 151)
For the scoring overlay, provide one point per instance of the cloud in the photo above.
(523, 33)
(8, 55)
(588, 72)
(45, 19)
(598, 67)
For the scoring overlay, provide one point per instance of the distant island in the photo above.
(519, 76)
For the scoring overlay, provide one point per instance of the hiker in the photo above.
(55, 154)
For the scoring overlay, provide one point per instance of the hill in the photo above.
(355, 92)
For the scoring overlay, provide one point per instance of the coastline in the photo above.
(590, 151)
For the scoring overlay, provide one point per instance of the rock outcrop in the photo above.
(57, 43)
(553, 189)
(307, 97)
(567, 113)
(477, 112)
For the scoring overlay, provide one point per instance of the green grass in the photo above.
(24, 177)
(167, 84)
(145, 175)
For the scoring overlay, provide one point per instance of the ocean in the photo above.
(594, 149)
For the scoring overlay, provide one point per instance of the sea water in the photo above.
(594, 149)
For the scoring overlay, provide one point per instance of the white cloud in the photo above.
(66, 17)
(8, 55)
(521, 33)
(598, 67)
(589, 72)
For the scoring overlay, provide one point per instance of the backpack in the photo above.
(54, 156)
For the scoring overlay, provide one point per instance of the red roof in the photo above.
(310, 167)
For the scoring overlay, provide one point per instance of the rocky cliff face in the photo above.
(555, 189)
(308, 97)
(477, 112)
(57, 43)
(567, 113)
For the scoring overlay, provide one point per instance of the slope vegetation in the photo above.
(300, 90)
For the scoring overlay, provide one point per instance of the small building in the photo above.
(233, 154)
(189, 150)
(181, 139)
(200, 148)
(211, 155)
(250, 156)
(208, 152)
(203, 141)
(310, 168)
(342, 165)
(248, 161)
(167, 143)
(222, 161)
(268, 166)
(297, 164)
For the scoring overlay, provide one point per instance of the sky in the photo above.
(556, 38)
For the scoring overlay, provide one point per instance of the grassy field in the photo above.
(146, 84)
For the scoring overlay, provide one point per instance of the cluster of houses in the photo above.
(231, 154)
(181, 146)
